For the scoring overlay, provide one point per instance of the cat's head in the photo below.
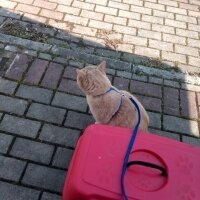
(92, 80)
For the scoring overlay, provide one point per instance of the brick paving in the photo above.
(149, 45)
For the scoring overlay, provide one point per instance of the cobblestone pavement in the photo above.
(148, 45)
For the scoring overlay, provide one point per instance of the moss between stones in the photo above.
(15, 29)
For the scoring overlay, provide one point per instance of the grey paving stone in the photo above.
(166, 134)
(88, 42)
(45, 56)
(180, 125)
(172, 83)
(6, 13)
(62, 157)
(60, 60)
(156, 80)
(12, 48)
(58, 135)
(83, 49)
(49, 196)
(32, 150)
(127, 57)
(110, 71)
(171, 101)
(110, 77)
(70, 37)
(137, 59)
(150, 103)
(78, 120)
(52, 76)
(1, 45)
(1, 19)
(70, 72)
(12, 105)
(54, 41)
(146, 88)
(118, 65)
(188, 104)
(18, 66)
(108, 53)
(5, 141)
(70, 102)
(70, 86)
(124, 74)
(155, 120)
(139, 77)
(121, 83)
(46, 113)
(59, 51)
(11, 168)
(7, 86)
(9, 192)
(36, 71)
(44, 177)
(34, 93)
(76, 64)
(190, 140)
(20, 126)
(29, 52)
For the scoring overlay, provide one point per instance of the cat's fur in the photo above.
(92, 80)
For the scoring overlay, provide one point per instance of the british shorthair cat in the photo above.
(111, 107)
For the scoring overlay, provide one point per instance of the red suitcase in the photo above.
(95, 169)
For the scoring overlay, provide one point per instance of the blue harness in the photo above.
(131, 142)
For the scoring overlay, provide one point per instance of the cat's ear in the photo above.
(80, 75)
(102, 67)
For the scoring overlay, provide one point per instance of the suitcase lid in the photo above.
(106, 149)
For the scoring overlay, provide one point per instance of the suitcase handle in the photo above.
(148, 164)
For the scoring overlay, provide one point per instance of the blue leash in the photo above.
(131, 144)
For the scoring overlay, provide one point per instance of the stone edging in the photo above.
(57, 51)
